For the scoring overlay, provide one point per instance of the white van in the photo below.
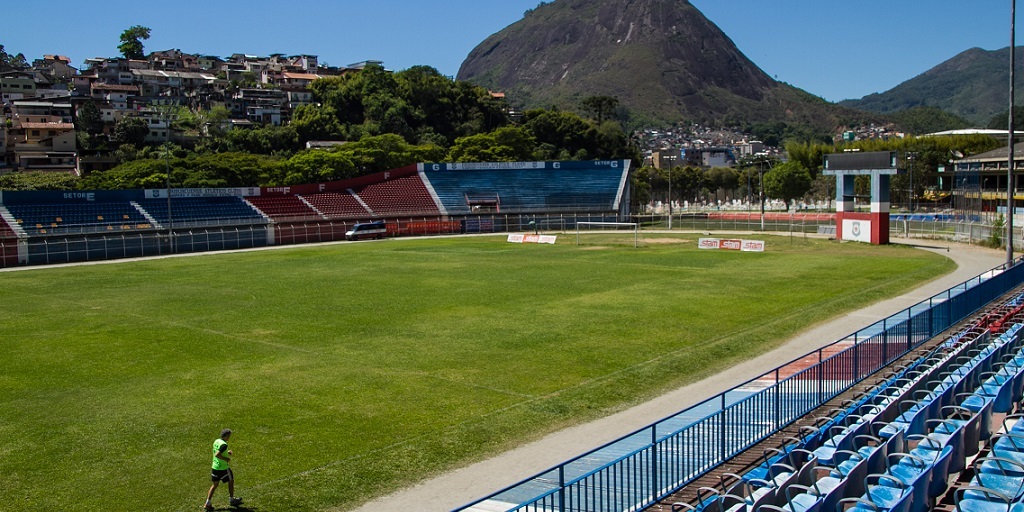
(369, 230)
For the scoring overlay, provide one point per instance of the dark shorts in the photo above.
(222, 475)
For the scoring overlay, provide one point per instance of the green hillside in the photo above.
(973, 85)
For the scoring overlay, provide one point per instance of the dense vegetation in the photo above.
(800, 176)
(390, 120)
(922, 120)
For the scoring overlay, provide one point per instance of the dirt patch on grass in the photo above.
(667, 241)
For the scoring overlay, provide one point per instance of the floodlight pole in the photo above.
(671, 169)
(170, 218)
(670, 198)
(1009, 139)
(760, 183)
(910, 196)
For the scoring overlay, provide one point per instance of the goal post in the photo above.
(609, 227)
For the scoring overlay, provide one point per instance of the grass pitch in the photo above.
(350, 370)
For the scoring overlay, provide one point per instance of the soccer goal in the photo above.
(608, 232)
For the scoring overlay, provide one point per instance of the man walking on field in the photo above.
(222, 470)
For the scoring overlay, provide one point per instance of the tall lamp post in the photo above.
(911, 156)
(760, 183)
(170, 219)
(671, 167)
(166, 115)
(650, 190)
(1009, 138)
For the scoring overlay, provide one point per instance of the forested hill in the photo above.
(973, 85)
(662, 59)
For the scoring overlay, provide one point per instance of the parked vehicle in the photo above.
(376, 230)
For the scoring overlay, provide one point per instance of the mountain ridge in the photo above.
(974, 85)
(662, 59)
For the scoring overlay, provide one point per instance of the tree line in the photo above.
(387, 120)
(799, 176)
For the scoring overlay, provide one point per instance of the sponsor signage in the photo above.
(753, 246)
(857, 230)
(519, 238)
(491, 166)
(480, 166)
(160, 193)
(709, 243)
(731, 244)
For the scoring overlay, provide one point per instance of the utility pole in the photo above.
(911, 156)
(166, 115)
(1009, 140)
(760, 181)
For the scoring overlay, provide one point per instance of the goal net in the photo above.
(608, 233)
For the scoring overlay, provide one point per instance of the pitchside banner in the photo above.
(857, 230)
(567, 165)
(531, 239)
(731, 244)
(160, 193)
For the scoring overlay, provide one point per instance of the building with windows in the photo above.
(41, 137)
(16, 85)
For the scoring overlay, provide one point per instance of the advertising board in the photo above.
(731, 245)
(857, 230)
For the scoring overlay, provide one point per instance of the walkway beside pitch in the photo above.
(480, 479)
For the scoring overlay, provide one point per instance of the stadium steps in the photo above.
(354, 195)
(281, 208)
(9, 227)
(146, 214)
(403, 196)
(335, 205)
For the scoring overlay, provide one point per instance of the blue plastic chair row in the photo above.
(946, 433)
(942, 403)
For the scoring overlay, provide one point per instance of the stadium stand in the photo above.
(8, 243)
(202, 211)
(6, 232)
(78, 218)
(900, 446)
(528, 190)
(399, 197)
(284, 207)
(65, 226)
(337, 205)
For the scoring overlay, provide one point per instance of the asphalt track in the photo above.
(475, 481)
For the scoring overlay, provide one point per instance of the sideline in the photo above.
(477, 480)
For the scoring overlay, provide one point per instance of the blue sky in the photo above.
(836, 50)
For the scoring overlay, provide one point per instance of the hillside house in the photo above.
(173, 60)
(41, 136)
(16, 85)
(263, 106)
(114, 94)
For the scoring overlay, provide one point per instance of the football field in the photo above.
(350, 370)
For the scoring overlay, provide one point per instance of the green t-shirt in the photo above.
(220, 446)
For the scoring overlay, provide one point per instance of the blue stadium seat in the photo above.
(528, 189)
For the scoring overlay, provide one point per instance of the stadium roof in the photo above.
(997, 155)
(999, 134)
